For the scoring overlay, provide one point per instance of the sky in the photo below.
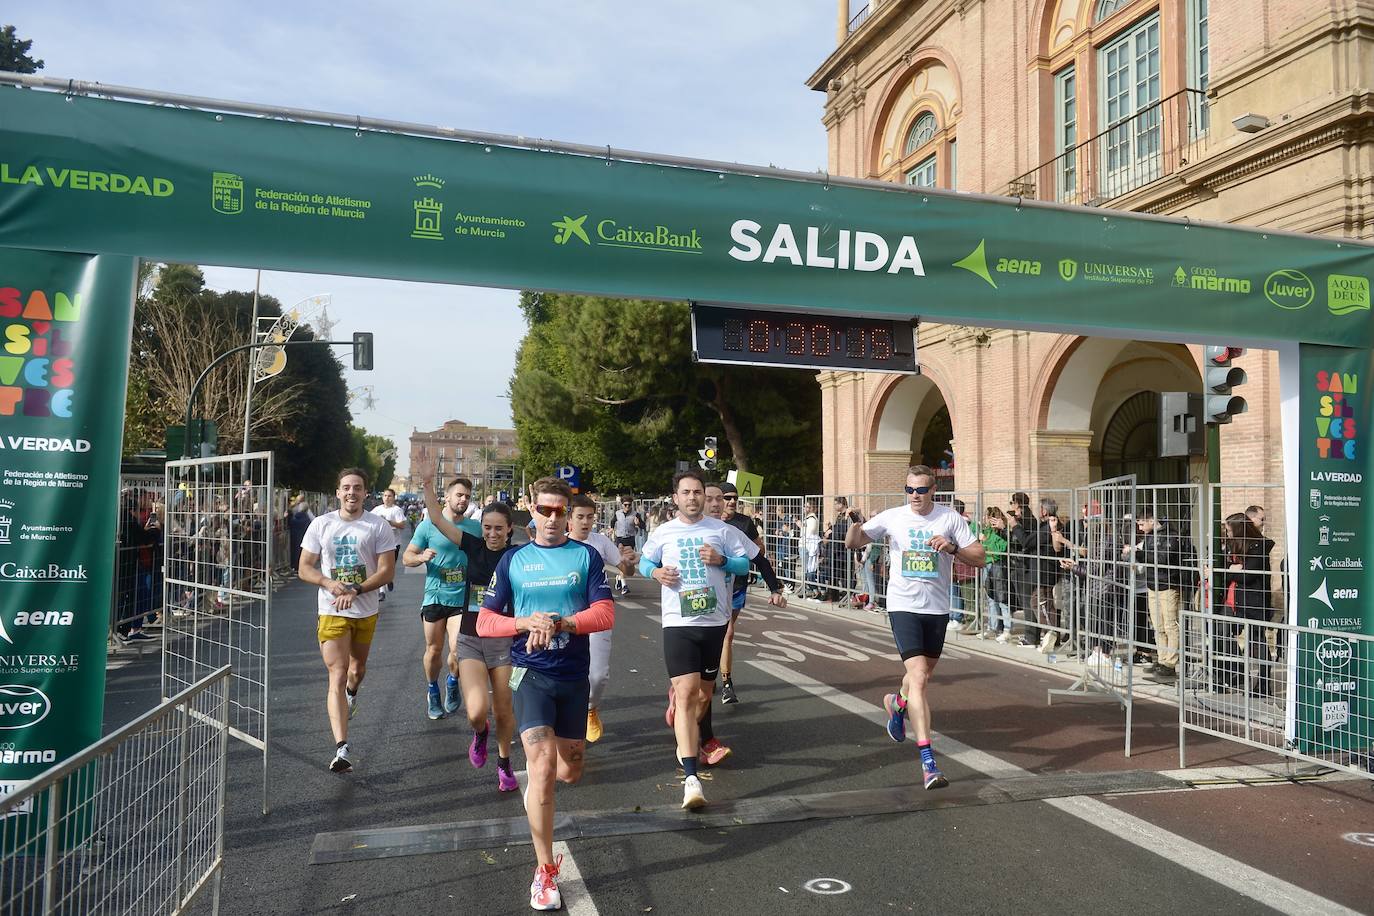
(706, 79)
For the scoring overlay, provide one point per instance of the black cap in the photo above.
(728, 487)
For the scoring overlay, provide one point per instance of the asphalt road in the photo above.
(1015, 832)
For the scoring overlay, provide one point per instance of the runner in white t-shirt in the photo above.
(923, 541)
(693, 556)
(350, 555)
(620, 558)
(395, 516)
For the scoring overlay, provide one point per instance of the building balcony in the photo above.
(1155, 143)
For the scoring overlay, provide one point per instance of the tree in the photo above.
(610, 385)
(14, 53)
(180, 328)
(374, 454)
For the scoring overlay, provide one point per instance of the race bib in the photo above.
(477, 593)
(920, 564)
(454, 576)
(349, 575)
(697, 602)
(516, 676)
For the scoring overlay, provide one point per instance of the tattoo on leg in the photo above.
(537, 735)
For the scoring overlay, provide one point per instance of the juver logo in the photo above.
(22, 706)
(1334, 653)
(1289, 289)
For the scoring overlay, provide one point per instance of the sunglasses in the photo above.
(551, 511)
(729, 498)
(921, 490)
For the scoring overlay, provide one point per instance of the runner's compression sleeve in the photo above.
(492, 623)
(599, 616)
(737, 566)
(647, 567)
(766, 570)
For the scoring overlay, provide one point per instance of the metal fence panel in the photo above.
(218, 591)
(136, 595)
(132, 824)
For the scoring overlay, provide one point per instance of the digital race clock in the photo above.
(721, 334)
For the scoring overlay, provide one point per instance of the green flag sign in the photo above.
(236, 190)
(64, 322)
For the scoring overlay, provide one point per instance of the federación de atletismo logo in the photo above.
(5, 520)
(226, 192)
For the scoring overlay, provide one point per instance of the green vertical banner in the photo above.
(65, 321)
(1335, 700)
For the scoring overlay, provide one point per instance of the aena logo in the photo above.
(1289, 289)
(848, 250)
(22, 706)
(1334, 653)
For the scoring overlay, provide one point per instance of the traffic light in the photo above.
(362, 350)
(708, 454)
(1220, 377)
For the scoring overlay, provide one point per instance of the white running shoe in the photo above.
(1004, 637)
(692, 796)
(341, 763)
(352, 703)
(544, 894)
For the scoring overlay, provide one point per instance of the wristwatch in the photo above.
(355, 588)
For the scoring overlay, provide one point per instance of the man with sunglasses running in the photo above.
(620, 557)
(691, 557)
(924, 540)
(549, 595)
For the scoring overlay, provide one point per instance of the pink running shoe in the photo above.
(713, 752)
(506, 782)
(477, 753)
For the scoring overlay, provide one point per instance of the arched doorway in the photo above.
(912, 425)
(1130, 444)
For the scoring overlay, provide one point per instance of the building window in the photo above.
(1131, 117)
(1066, 132)
(1106, 7)
(923, 175)
(1198, 65)
(921, 133)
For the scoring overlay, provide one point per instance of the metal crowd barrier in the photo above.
(1296, 690)
(132, 824)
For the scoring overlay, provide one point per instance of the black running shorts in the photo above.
(693, 650)
(433, 613)
(918, 634)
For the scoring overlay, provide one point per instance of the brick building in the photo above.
(480, 453)
(1131, 104)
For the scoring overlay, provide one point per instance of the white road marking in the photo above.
(1235, 875)
(633, 605)
(576, 900)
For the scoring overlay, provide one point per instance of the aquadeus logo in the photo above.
(847, 249)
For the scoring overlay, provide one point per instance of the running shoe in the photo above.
(727, 693)
(1004, 637)
(436, 707)
(713, 752)
(933, 777)
(692, 796)
(451, 698)
(341, 763)
(671, 714)
(506, 781)
(477, 752)
(352, 703)
(544, 893)
(593, 726)
(140, 636)
(896, 718)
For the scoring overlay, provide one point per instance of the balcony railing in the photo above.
(859, 18)
(1152, 144)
